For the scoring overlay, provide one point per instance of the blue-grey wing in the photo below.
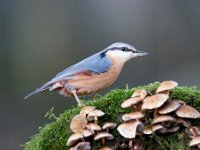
(97, 63)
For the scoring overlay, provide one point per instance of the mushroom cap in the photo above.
(155, 101)
(86, 133)
(86, 110)
(142, 93)
(182, 122)
(168, 107)
(193, 132)
(105, 135)
(153, 128)
(93, 127)
(105, 148)
(131, 101)
(78, 123)
(166, 85)
(129, 129)
(133, 115)
(195, 141)
(186, 111)
(109, 125)
(173, 129)
(95, 113)
(180, 101)
(148, 131)
(163, 118)
(82, 146)
(165, 92)
(74, 138)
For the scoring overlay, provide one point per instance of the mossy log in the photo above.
(53, 136)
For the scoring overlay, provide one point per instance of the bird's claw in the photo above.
(81, 103)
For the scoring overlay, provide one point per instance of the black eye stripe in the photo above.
(125, 49)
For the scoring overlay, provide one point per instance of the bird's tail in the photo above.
(40, 89)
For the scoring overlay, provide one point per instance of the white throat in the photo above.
(120, 56)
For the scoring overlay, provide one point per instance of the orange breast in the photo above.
(86, 83)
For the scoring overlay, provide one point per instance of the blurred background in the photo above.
(40, 38)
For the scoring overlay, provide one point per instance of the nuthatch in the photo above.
(93, 73)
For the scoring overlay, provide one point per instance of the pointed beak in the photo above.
(141, 53)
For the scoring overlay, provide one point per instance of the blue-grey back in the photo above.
(97, 63)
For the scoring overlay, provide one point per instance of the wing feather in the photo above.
(97, 63)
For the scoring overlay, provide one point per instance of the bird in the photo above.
(93, 73)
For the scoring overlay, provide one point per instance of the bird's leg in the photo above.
(76, 97)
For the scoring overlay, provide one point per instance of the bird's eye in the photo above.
(124, 49)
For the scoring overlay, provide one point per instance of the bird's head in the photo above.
(123, 52)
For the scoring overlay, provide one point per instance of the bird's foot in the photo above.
(81, 103)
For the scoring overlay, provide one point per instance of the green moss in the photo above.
(53, 136)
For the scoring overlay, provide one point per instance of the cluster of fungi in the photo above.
(150, 114)
(157, 113)
(85, 128)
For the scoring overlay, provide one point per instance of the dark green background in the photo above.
(39, 38)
